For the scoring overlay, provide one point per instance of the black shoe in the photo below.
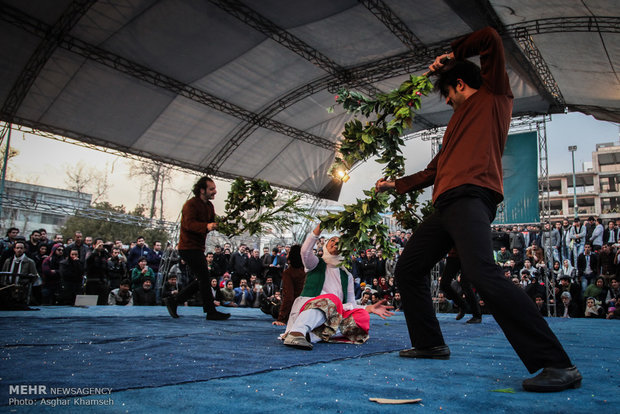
(217, 316)
(435, 352)
(554, 380)
(460, 315)
(475, 319)
(171, 305)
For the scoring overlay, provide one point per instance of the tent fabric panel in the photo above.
(567, 66)
(350, 38)
(301, 167)
(260, 76)
(185, 130)
(105, 18)
(19, 52)
(44, 10)
(192, 39)
(103, 103)
(256, 151)
(291, 14)
(432, 22)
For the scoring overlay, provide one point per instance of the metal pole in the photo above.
(572, 149)
(4, 165)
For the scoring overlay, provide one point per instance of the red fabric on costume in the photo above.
(360, 316)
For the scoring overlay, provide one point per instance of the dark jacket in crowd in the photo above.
(143, 297)
(71, 271)
(97, 265)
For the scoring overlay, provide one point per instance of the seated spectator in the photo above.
(568, 270)
(535, 288)
(122, 295)
(613, 313)
(527, 265)
(397, 302)
(385, 291)
(228, 295)
(597, 290)
(365, 299)
(573, 288)
(444, 305)
(140, 273)
(593, 309)
(215, 291)
(613, 294)
(556, 271)
(525, 277)
(257, 289)
(171, 287)
(374, 298)
(517, 258)
(271, 305)
(535, 253)
(145, 295)
(541, 305)
(243, 294)
(503, 256)
(568, 308)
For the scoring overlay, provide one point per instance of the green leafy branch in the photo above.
(389, 115)
(254, 207)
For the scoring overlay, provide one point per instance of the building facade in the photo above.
(597, 187)
(31, 207)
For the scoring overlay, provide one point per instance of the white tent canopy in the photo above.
(240, 87)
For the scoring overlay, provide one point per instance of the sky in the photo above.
(44, 161)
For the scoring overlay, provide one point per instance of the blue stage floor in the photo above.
(152, 363)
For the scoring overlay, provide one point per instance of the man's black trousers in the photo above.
(197, 262)
(465, 223)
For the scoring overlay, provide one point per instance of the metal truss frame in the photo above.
(383, 12)
(54, 34)
(361, 76)
(9, 201)
(178, 88)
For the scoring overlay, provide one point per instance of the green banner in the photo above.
(520, 162)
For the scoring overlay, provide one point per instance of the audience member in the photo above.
(141, 273)
(51, 275)
(121, 296)
(71, 277)
(145, 295)
(97, 282)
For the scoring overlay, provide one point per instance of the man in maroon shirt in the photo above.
(197, 219)
(467, 178)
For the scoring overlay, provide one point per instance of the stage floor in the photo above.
(139, 360)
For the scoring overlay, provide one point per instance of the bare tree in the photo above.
(157, 176)
(80, 178)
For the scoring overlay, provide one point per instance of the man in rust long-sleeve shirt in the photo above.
(467, 178)
(197, 219)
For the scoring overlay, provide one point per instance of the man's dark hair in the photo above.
(139, 237)
(141, 258)
(125, 282)
(294, 256)
(465, 70)
(200, 184)
(35, 232)
(10, 230)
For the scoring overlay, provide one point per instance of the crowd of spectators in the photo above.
(579, 261)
